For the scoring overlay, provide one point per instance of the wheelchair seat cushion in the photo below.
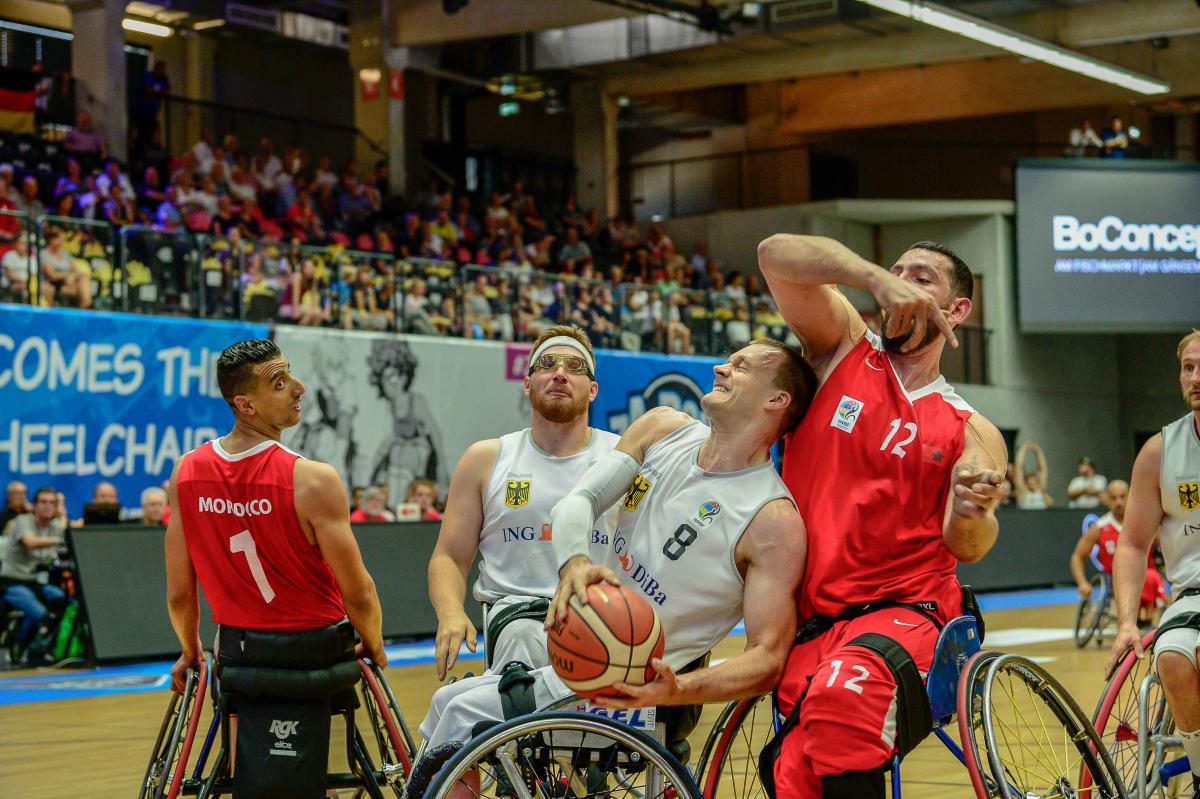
(268, 683)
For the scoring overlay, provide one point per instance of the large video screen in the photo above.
(1108, 246)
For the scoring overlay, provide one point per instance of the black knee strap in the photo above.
(914, 719)
(1190, 621)
(535, 609)
(853, 785)
(516, 690)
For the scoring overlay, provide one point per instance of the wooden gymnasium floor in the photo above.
(97, 748)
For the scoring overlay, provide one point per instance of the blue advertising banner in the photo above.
(90, 396)
(632, 383)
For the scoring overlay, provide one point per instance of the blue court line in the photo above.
(48, 686)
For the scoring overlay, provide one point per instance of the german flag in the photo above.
(17, 94)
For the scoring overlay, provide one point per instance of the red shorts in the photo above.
(848, 717)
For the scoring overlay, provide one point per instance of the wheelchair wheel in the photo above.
(562, 754)
(1039, 742)
(388, 728)
(1122, 730)
(174, 743)
(970, 724)
(1092, 613)
(728, 765)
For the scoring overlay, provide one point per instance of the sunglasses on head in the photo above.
(574, 364)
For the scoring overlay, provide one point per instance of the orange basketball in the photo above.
(611, 638)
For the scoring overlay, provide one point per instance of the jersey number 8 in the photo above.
(678, 543)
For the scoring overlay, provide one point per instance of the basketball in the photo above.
(613, 637)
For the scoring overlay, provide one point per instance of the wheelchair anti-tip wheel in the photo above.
(1123, 729)
(168, 762)
(728, 765)
(1092, 613)
(1038, 741)
(564, 754)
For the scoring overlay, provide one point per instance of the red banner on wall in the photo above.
(396, 84)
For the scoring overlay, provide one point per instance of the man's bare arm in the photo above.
(970, 527)
(183, 598)
(457, 545)
(773, 550)
(322, 505)
(1083, 548)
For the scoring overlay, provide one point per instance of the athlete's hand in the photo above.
(375, 653)
(662, 690)
(1128, 636)
(450, 636)
(573, 580)
(180, 669)
(976, 493)
(909, 306)
(1085, 591)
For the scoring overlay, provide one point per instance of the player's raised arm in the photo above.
(970, 527)
(605, 482)
(1143, 516)
(322, 504)
(457, 545)
(802, 273)
(183, 600)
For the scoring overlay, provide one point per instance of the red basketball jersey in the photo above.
(1110, 531)
(250, 553)
(870, 469)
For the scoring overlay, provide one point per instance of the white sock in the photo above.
(1191, 745)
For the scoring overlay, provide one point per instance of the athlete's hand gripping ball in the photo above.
(573, 580)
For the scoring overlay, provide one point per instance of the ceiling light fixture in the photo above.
(1006, 39)
(208, 23)
(151, 28)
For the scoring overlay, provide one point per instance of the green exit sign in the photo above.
(510, 109)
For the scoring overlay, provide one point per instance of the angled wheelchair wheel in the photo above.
(1092, 613)
(563, 754)
(1129, 736)
(728, 765)
(1039, 743)
(173, 745)
(970, 724)
(388, 729)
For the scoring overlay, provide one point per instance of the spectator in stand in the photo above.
(90, 200)
(424, 494)
(308, 305)
(444, 229)
(242, 184)
(1086, 489)
(303, 220)
(1084, 139)
(753, 287)
(735, 286)
(225, 219)
(16, 503)
(10, 226)
(8, 176)
(266, 165)
(27, 201)
(66, 206)
(113, 176)
(574, 252)
(154, 506)
(416, 309)
(353, 205)
(1115, 139)
(203, 152)
(151, 193)
(531, 219)
(679, 335)
(479, 320)
(539, 251)
(497, 210)
(116, 209)
(250, 220)
(167, 215)
(70, 183)
(16, 268)
(65, 282)
(737, 329)
(571, 216)
(85, 142)
(360, 310)
(32, 543)
(372, 507)
(385, 299)
(1031, 486)
(324, 176)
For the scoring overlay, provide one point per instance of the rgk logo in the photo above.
(283, 729)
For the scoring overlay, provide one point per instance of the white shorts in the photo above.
(458, 707)
(1183, 640)
(521, 639)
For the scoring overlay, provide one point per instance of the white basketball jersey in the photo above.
(676, 535)
(1179, 483)
(516, 554)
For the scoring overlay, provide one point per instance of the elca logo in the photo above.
(673, 389)
(284, 729)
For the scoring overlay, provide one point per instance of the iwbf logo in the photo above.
(1112, 234)
(673, 389)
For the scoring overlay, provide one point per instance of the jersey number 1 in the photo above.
(244, 542)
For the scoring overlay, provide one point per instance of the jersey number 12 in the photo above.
(244, 542)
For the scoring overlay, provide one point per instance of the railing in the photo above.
(137, 269)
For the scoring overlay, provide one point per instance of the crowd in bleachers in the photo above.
(273, 233)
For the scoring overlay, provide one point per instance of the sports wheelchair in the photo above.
(1094, 616)
(1137, 728)
(1024, 736)
(379, 760)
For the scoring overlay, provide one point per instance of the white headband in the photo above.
(564, 341)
